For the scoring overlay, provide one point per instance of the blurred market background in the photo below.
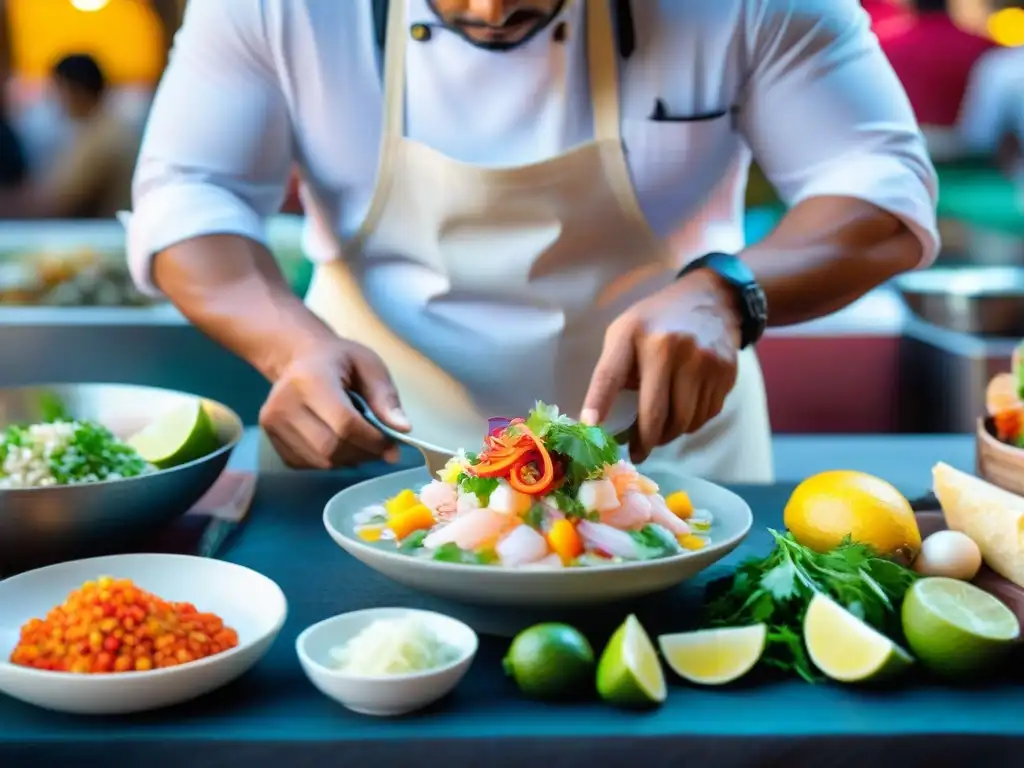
(76, 80)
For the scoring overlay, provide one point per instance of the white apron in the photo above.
(509, 278)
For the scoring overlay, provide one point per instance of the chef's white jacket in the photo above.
(254, 85)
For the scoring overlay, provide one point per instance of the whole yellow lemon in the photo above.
(827, 507)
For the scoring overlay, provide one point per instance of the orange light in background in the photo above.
(123, 35)
(1006, 27)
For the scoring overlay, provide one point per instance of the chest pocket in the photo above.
(677, 163)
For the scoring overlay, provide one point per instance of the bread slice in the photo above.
(992, 517)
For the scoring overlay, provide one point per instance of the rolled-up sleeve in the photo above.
(825, 115)
(217, 149)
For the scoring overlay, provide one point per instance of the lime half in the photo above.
(629, 673)
(180, 435)
(845, 648)
(714, 656)
(550, 661)
(956, 629)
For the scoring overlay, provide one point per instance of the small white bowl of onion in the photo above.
(386, 661)
(949, 553)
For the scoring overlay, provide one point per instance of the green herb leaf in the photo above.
(584, 449)
(655, 541)
(452, 553)
(413, 541)
(570, 506)
(52, 409)
(483, 487)
(535, 517)
(777, 589)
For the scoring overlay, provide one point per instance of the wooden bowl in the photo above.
(997, 462)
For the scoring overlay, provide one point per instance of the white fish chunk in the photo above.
(508, 500)
(597, 495)
(634, 513)
(521, 546)
(611, 540)
(663, 516)
(471, 530)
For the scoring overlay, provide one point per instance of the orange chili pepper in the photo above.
(519, 479)
(497, 467)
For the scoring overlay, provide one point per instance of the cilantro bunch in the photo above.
(777, 589)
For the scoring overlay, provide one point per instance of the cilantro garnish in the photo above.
(483, 487)
(584, 449)
(777, 589)
(534, 517)
(569, 506)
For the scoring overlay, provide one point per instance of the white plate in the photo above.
(536, 588)
(250, 603)
(383, 695)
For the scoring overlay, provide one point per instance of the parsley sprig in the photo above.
(777, 589)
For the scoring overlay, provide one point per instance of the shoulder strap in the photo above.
(380, 23)
(622, 12)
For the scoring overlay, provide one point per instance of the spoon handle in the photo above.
(367, 413)
(434, 460)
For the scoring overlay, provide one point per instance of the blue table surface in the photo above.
(284, 539)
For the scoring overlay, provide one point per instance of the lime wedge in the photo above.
(956, 629)
(846, 649)
(629, 673)
(714, 656)
(178, 436)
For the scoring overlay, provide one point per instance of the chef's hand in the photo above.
(313, 424)
(679, 348)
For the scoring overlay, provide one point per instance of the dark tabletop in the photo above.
(273, 715)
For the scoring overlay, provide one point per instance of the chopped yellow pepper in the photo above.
(416, 518)
(400, 503)
(370, 533)
(679, 504)
(689, 541)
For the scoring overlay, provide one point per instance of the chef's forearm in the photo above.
(826, 253)
(232, 289)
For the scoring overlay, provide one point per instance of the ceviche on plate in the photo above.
(544, 492)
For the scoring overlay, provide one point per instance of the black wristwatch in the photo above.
(750, 298)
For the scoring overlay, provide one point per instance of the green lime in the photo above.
(629, 673)
(550, 661)
(847, 649)
(956, 629)
(180, 435)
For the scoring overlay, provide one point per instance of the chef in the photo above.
(525, 199)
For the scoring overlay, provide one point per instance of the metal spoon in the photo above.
(434, 456)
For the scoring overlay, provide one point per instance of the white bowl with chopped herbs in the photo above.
(87, 467)
(545, 514)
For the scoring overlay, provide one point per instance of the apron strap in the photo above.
(604, 71)
(601, 56)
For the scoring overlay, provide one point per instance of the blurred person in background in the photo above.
(888, 17)
(933, 57)
(12, 155)
(12, 158)
(91, 178)
(992, 118)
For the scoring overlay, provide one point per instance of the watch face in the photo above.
(756, 302)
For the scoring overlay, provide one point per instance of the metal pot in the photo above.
(985, 301)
